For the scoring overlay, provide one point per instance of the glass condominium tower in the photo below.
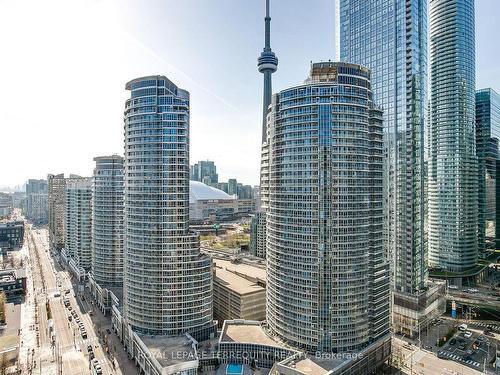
(453, 174)
(107, 221)
(167, 281)
(327, 276)
(488, 159)
(390, 38)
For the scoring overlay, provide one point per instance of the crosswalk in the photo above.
(79, 342)
(483, 324)
(459, 359)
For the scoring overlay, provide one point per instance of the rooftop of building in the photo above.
(310, 365)
(200, 191)
(9, 275)
(246, 331)
(238, 284)
(169, 351)
(11, 224)
(243, 269)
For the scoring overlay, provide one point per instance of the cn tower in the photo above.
(267, 64)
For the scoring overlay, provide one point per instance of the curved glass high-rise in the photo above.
(107, 221)
(168, 282)
(327, 277)
(452, 173)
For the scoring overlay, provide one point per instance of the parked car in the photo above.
(461, 346)
(468, 334)
(70, 318)
(453, 341)
(462, 327)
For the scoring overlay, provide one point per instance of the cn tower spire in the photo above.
(267, 64)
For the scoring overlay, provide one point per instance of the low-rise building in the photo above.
(238, 294)
(13, 282)
(412, 313)
(11, 235)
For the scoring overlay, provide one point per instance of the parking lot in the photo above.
(469, 348)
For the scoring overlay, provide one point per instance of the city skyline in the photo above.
(221, 115)
(364, 242)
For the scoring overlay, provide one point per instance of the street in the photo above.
(53, 344)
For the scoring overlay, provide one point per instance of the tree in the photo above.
(3, 364)
(2, 308)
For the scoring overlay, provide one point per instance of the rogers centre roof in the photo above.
(199, 191)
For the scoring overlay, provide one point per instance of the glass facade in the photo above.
(107, 221)
(453, 173)
(204, 171)
(327, 277)
(390, 38)
(487, 138)
(168, 282)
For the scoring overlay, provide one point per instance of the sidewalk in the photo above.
(116, 353)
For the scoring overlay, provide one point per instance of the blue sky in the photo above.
(65, 64)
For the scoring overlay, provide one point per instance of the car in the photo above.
(469, 352)
(453, 341)
(57, 294)
(67, 291)
(91, 313)
(468, 334)
(84, 334)
(480, 338)
(77, 320)
(472, 290)
(452, 287)
(70, 318)
(91, 355)
(89, 348)
(488, 333)
(461, 346)
(98, 371)
(462, 327)
(108, 331)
